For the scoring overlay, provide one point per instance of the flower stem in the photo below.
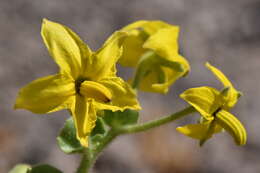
(85, 163)
(90, 155)
(107, 139)
(156, 123)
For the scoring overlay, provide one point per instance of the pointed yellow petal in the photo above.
(132, 51)
(212, 128)
(138, 33)
(65, 47)
(134, 25)
(205, 100)
(233, 94)
(233, 126)
(84, 115)
(164, 42)
(123, 96)
(96, 91)
(46, 94)
(221, 77)
(151, 27)
(104, 60)
(196, 131)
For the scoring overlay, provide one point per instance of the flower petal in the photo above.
(65, 47)
(104, 60)
(233, 126)
(138, 33)
(152, 27)
(135, 25)
(84, 115)
(161, 39)
(149, 27)
(221, 77)
(205, 100)
(123, 96)
(96, 91)
(163, 74)
(196, 131)
(233, 94)
(132, 51)
(46, 94)
(164, 42)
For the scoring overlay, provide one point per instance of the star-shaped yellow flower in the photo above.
(156, 42)
(214, 105)
(86, 82)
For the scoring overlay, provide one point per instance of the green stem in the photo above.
(86, 162)
(91, 155)
(156, 123)
(108, 138)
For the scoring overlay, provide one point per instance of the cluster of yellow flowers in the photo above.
(87, 80)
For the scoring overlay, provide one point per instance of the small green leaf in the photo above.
(118, 119)
(44, 169)
(21, 168)
(67, 140)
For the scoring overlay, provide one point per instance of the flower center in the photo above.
(78, 83)
(215, 113)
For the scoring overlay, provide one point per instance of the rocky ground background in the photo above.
(225, 33)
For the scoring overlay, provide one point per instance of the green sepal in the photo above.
(44, 169)
(67, 139)
(118, 119)
(100, 127)
(98, 132)
(150, 61)
(21, 168)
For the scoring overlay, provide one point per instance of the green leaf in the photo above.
(21, 168)
(44, 169)
(67, 139)
(118, 118)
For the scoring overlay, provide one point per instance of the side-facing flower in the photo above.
(86, 82)
(214, 106)
(152, 48)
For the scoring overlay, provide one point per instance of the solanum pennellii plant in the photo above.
(103, 106)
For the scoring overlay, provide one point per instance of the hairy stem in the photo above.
(90, 156)
(86, 162)
(156, 123)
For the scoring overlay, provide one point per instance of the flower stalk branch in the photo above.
(156, 123)
(90, 157)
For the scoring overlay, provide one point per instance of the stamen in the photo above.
(91, 89)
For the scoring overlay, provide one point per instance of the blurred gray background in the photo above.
(225, 33)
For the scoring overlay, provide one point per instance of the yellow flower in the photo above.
(86, 82)
(157, 41)
(214, 105)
